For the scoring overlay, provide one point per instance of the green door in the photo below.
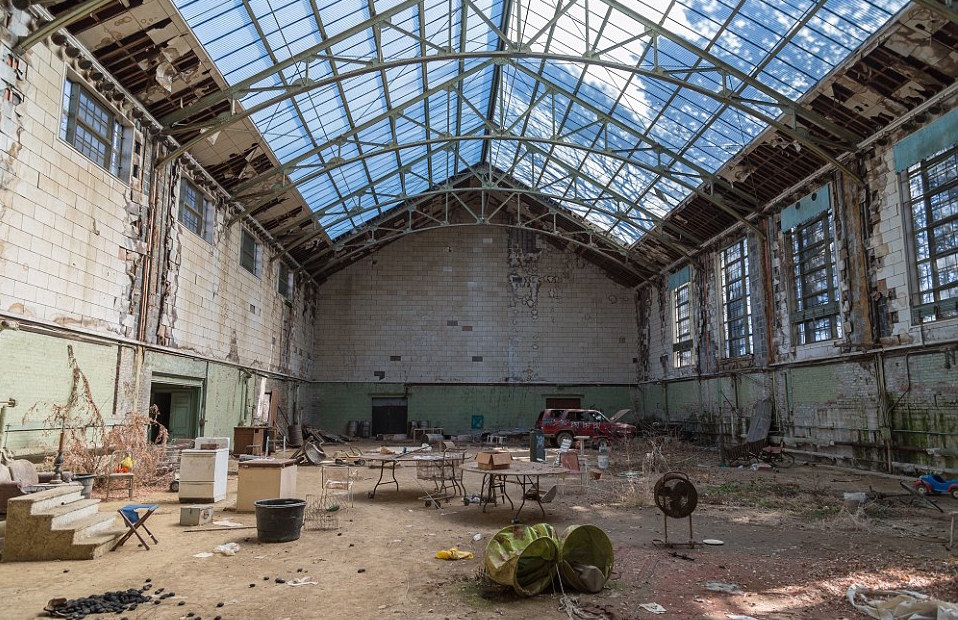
(182, 415)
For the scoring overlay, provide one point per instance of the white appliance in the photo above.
(203, 471)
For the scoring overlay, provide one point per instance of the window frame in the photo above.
(682, 338)
(726, 266)
(249, 254)
(201, 212)
(927, 305)
(110, 137)
(807, 321)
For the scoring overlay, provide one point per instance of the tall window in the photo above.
(815, 289)
(249, 253)
(91, 128)
(682, 326)
(931, 195)
(736, 300)
(193, 208)
(285, 283)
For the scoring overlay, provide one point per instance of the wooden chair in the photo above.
(123, 477)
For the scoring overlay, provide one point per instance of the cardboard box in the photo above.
(196, 514)
(493, 460)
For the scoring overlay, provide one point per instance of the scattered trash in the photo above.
(739, 617)
(477, 537)
(301, 581)
(653, 607)
(227, 549)
(899, 604)
(728, 588)
(760, 466)
(202, 554)
(713, 541)
(453, 554)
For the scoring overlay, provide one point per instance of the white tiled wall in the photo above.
(442, 300)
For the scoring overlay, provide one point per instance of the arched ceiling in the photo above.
(631, 131)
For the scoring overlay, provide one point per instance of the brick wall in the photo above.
(459, 305)
(73, 238)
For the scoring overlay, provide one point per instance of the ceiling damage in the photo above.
(508, 127)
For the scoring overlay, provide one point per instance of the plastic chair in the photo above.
(135, 521)
(338, 480)
(112, 474)
(574, 463)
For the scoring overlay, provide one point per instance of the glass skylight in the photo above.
(614, 110)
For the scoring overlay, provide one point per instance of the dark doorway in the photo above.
(566, 402)
(178, 410)
(389, 416)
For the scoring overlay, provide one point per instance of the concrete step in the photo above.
(93, 525)
(52, 497)
(63, 515)
(88, 548)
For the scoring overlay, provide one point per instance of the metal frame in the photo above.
(596, 146)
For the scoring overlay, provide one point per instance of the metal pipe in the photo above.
(9, 403)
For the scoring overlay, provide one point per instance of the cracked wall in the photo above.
(473, 304)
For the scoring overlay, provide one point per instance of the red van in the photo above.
(556, 424)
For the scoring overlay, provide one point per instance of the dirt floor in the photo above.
(791, 550)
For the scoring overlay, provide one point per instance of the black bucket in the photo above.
(279, 520)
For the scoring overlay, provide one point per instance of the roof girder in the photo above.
(492, 185)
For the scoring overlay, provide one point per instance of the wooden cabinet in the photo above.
(249, 439)
(264, 479)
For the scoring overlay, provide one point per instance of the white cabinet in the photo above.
(203, 475)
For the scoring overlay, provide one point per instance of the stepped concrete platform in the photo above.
(57, 524)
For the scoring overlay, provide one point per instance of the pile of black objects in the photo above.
(108, 602)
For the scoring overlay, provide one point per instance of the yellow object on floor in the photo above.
(453, 554)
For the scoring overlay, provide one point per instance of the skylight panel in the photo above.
(441, 27)
(406, 129)
(625, 233)
(319, 192)
(404, 83)
(441, 72)
(363, 97)
(342, 15)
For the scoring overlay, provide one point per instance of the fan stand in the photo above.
(658, 542)
(675, 497)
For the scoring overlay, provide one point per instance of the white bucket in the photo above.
(853, 501)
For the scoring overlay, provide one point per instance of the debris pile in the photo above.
(109, 602)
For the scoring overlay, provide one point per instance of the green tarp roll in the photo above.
(586, 558)
(523, 557)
